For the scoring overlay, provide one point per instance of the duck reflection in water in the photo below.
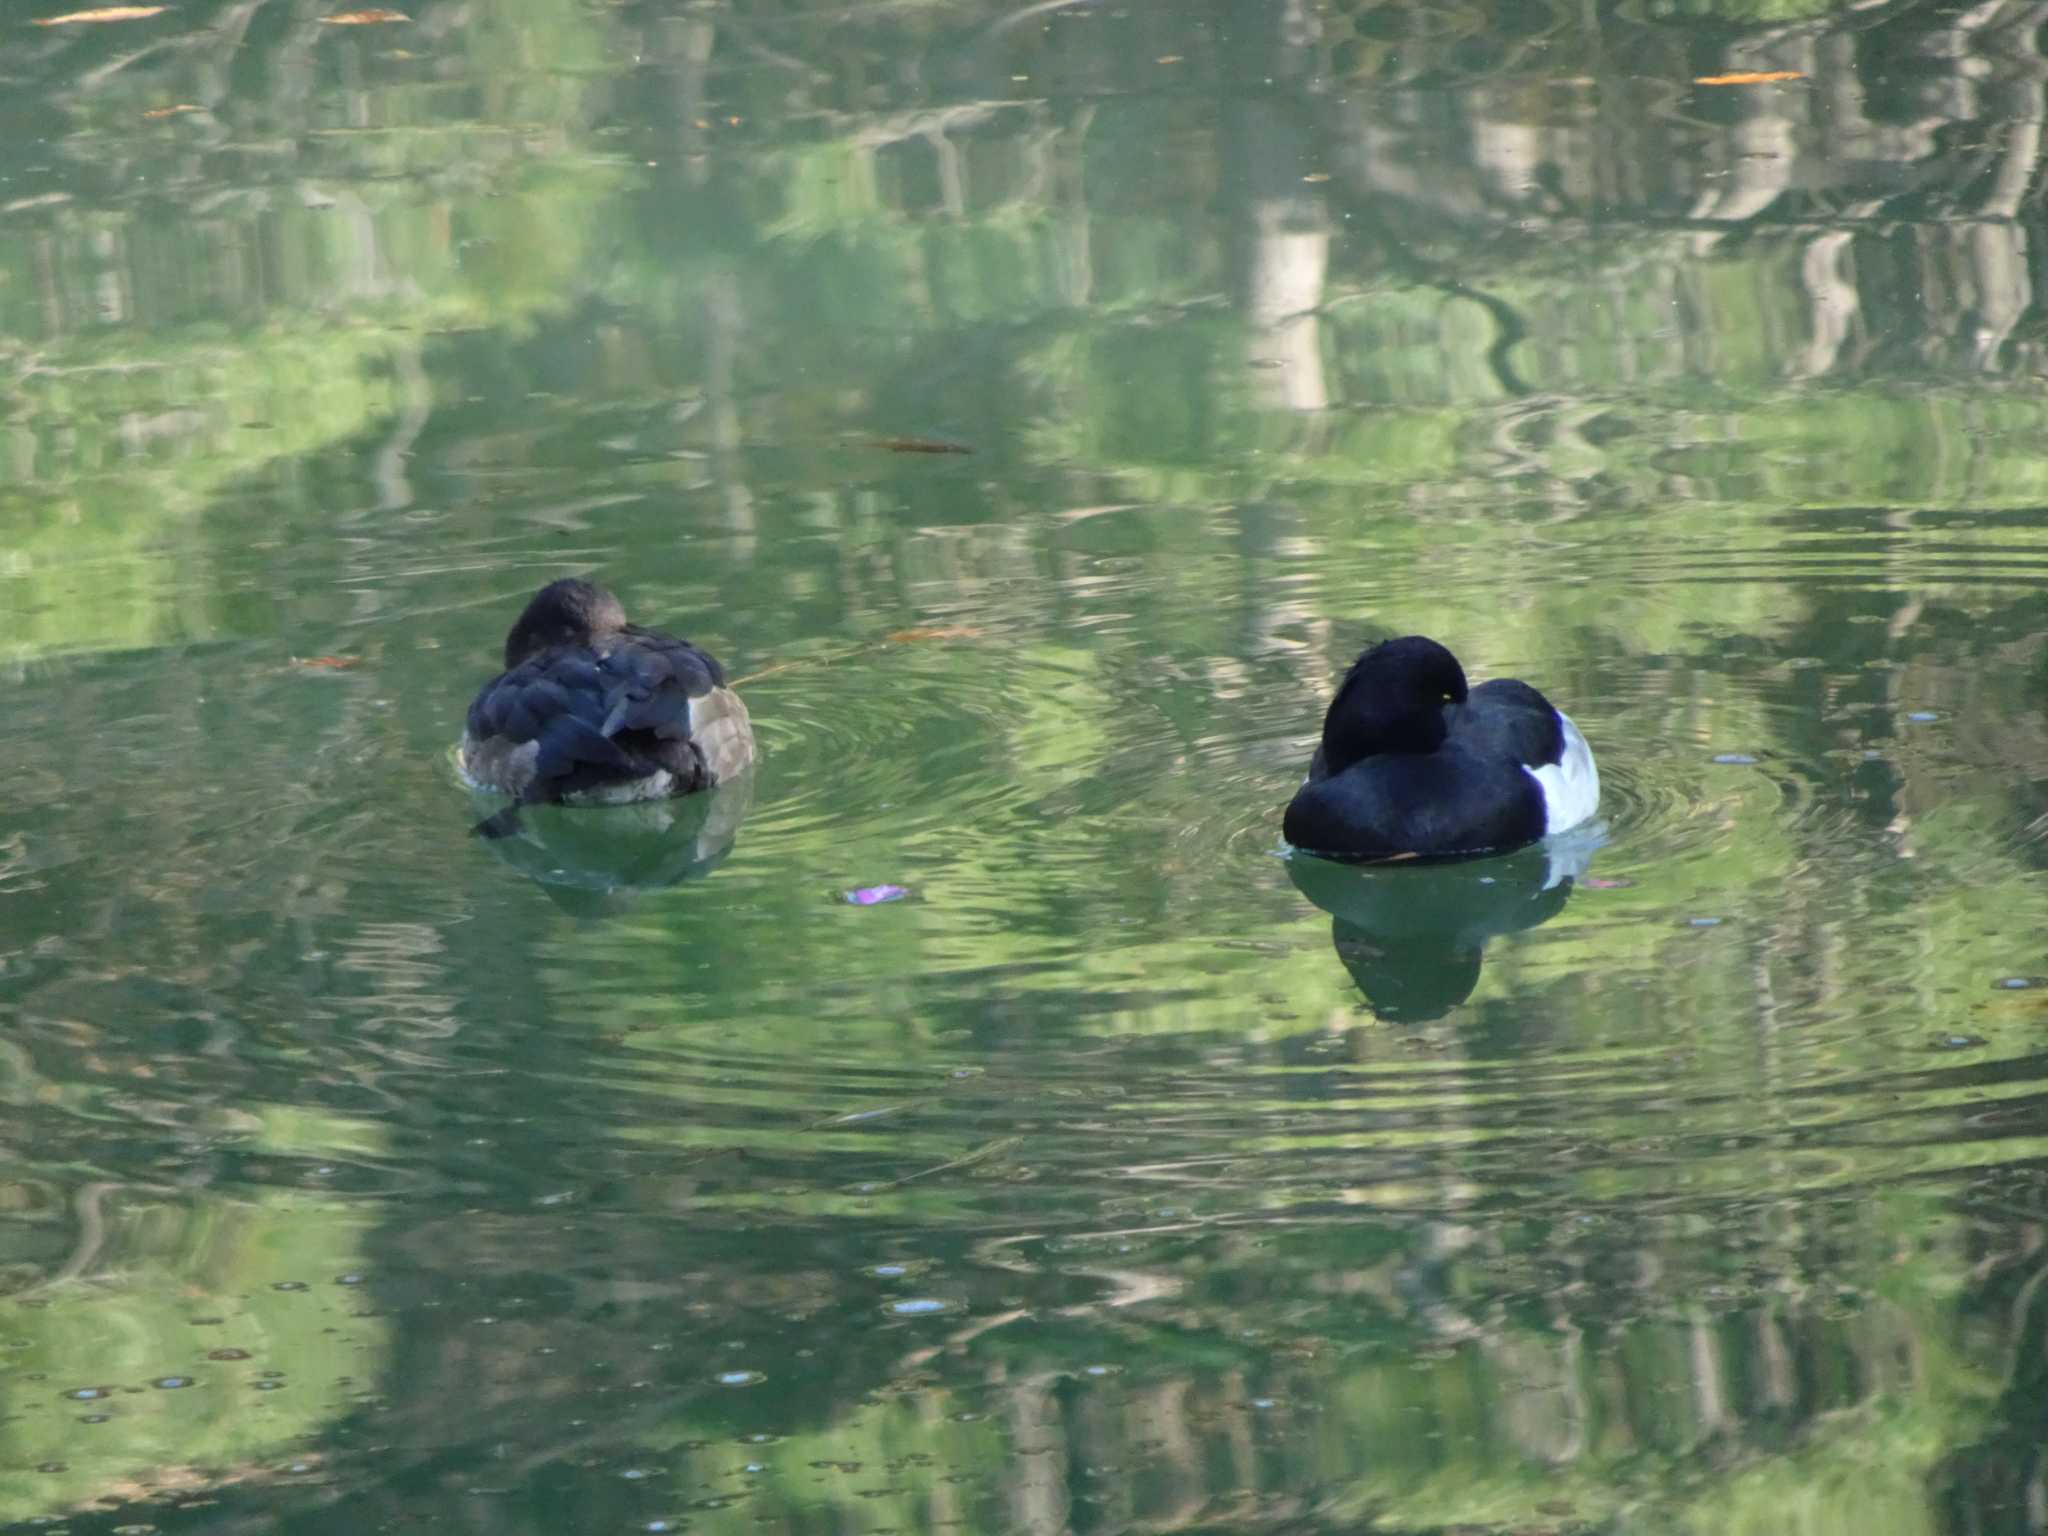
(592, 863)
(1413, 936)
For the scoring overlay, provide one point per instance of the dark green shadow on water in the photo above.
(1413, 936)
(593, 861)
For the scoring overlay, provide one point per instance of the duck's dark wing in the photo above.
(1507, 719)
(1427, 804)
(651, 680)
(536, 729)
(669, 701)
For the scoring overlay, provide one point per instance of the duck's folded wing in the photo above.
(673, 691)
(557, 708)
(649, 682)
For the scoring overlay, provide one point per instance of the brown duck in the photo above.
(592, 710)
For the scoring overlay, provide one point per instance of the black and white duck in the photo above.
(1413, 763)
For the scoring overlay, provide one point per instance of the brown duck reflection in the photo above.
(593, 860)
(1414, 936)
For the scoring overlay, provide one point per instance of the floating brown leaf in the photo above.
(363, 18)
(1750, 77)
(104, 13)
(917, 445)
(329, 663)
(937, 632)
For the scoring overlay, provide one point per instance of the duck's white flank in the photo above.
(1571, 786)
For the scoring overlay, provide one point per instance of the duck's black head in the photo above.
(566, 612)
(1392, 700)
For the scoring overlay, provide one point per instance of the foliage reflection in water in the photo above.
(1124, 1176)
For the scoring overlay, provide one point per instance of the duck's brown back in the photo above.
(634, 714)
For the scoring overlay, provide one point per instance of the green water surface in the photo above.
(1125, 1176)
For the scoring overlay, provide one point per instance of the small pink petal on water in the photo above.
(874, 895)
